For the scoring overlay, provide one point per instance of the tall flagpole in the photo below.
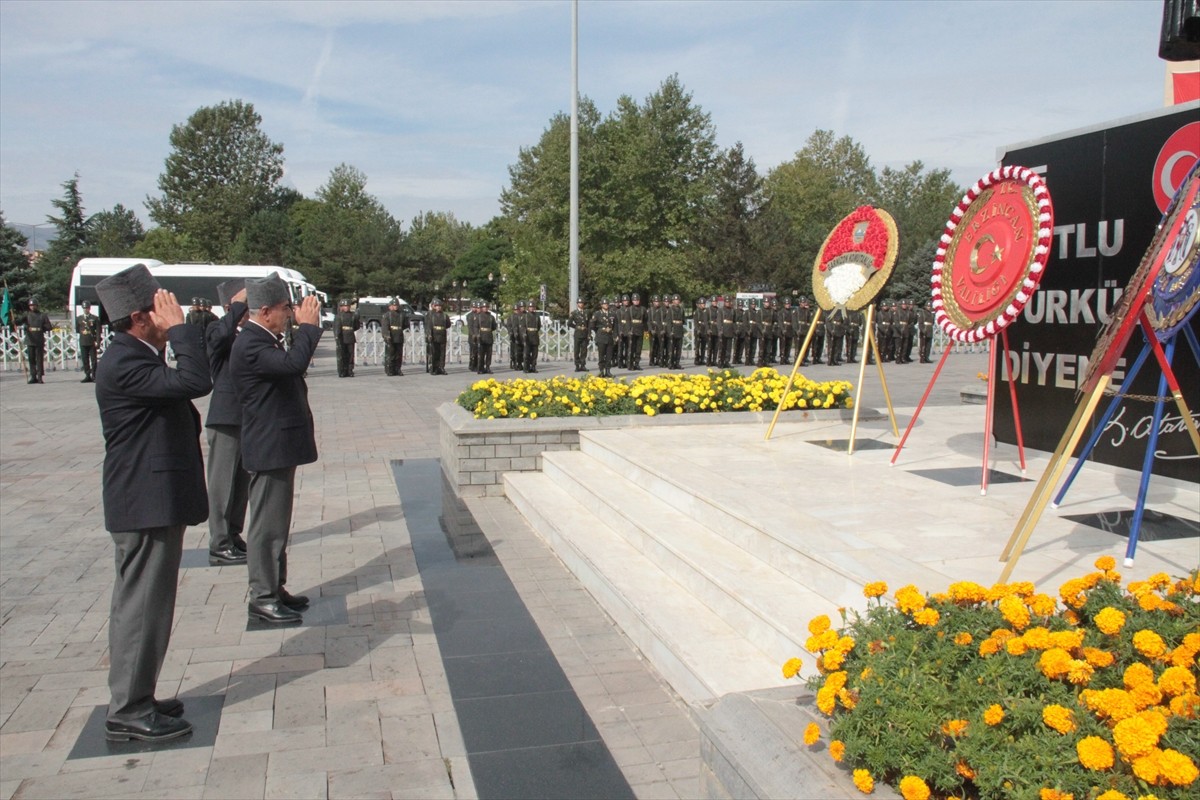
(574, 236)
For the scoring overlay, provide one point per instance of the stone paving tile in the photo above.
(236, 776)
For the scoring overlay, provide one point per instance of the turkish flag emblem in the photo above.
(1175, 159)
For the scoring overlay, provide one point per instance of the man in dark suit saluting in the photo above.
(228, 482)
(153, 488)
(277, 434)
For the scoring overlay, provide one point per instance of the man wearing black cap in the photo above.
(533, 336)
(673, 326)
(37, 325)
(153, 488)
(437, 324)
(87, 327)
(581, 325)
(604, 324)
(700, 331)
(486, 331)
(344, 325)
(624, 328)
(277, 434)
(228, 481)
(925, 320)
(637, 332)
(515, 322)
(394, 323)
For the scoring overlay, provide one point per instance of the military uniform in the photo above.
(818, 340)
(206, 316)
(437, 322)
(905, 332)
(787, 331)
(656, 329)
(604, 326)
(581, 325)
(700, 332)
(835, 328)
(637, 333)
(394, 324)
(532, 325)
(485, 330)
(854, 326)
(624, 327)
(344, 325)
(727, 329)
(741, 320)
(87, 327)
(515, 322)
(754, 324)
(673, 324)
(925, 320)
(37, 325)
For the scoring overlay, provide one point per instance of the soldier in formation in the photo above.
(637, 332)
(345, 325)
(394, 324)
(673, 324)
(700, 323)
(37, 325)
(835, 331)
(787, 331)
(485, 332)
(656, 328)
(514, 322)
(437, 322)
(581, 327)
(604, 325)
(531, 324)
(727, 332)
(925, 322)
(87, 327)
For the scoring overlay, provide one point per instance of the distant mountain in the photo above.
(39, 236)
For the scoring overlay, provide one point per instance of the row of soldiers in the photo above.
(201, 313)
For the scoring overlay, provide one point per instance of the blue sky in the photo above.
(433, 100)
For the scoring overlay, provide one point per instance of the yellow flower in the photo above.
(818, 625)
(1149, 643)
(1094, 753)
(826, 700)
(791, 667)
(812, 734)
(1097, 657)
(837, 750)
(1177, 768)
(1014, 612)
(927, 616)
(1016, 646)
(1112, 794)
(954, 727)
(964, 769)
(863, 781)
(962, 639)
(1186, 705)
(1136, 736)
(909, 599)
(1175, 681)
(989, 647)
(1059, 718)
(875, 589)
(994, 715)
(1055, 663)
(966, 592)
(821, 641)
(1146, 768)
(913, 788)
(1079, 672)
(1042, 604)
(1110, 621)
(1054, 794)
(1105, 563)
(1038, 638)
(1114, 704)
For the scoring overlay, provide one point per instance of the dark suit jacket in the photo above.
(277, 424)
(223, 406)
(153, 470)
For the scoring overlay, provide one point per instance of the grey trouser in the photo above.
(228, 486)
(267, 535)
(143, 611)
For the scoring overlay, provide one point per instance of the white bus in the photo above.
(185, 280)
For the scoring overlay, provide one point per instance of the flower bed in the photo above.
(669, 393)
(1003, 693)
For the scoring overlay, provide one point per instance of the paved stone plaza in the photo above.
(357, 701)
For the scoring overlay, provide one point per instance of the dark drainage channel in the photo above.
(526, 733)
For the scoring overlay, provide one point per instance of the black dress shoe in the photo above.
(228, 556)
(87, 380)
(274, 611)
(238, 542)
(153, 727)
(171, 708)
(293, 601)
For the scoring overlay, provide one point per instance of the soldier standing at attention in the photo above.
(149, 422)
(741, 331)
(727, 328)
(906, 324)
(754, 333)
(700, 331)
(854, 324)
(581, 325)
(818, 341)
(193, 314)
(770, 326)
(394, 323)
(344, 325)
(925, 331)
(533, 338)
(836, 328)
(207, 317)
(471, 323)
(514, 320)
(37, 325)
(713, 348)
(437, 322)
(87, 326)
(674, 327)
(624, 325)
(604, 324)
(804, 317)
(486, 330)
(787, 331)
(637, 328)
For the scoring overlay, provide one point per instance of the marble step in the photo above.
(701, 655)
(769, 519)
(768, 607)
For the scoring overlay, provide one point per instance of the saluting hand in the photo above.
(167, 313)
(309, 311)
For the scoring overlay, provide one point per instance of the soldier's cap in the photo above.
(654, 298)
(795, 292)
(33, 301)
(437, 301)
(579, 301)
(343, 302)
(674, 297)
(393, 302)
(603, 301)
(226, 290)
(130, 290)
(636, 296)
(86, 304)
(266, 292)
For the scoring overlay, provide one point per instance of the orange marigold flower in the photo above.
(1055, 663)
(1152, 602)
(1177, 768)
(1055, 794)
(1112, 794)
(1059, 718)
(833, 659)
(1037, 637)
(909, 599)
(954, 727)
(818, 625)
(875, 589)
(1014, 612)
(812, 734)
(1149, 643)
(863, 781)
(962, 639)
(837, 750)
(1146, 695)
(1097, 657)
(849, 699)
(994, 714)
(1146, 767)
(927, 617)
(1079, 672)
(1110, 621)
(791, 667)
(1016, 646)
(1159, 580)
(1067, 640)
(1106, 563)
(967, 592)
(1072, 617)
(989, 647)
(1137, 675)
(820, 641)
(1042, 604)
(913, 788)
(1094, 753)
(964, 769)
(1114, 704)
(826, 700)
(1186, 705)
(1135, 737)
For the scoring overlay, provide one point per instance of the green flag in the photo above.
(5, 308)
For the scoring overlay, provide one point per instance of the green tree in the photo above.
(168, 247)
(481, 265)
(115, 233)
(15, 270)
(221, 171)
(921, 202)
(436, 240)
(730, 256)
(70, 244)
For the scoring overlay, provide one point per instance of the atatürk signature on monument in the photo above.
(1140, 429)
